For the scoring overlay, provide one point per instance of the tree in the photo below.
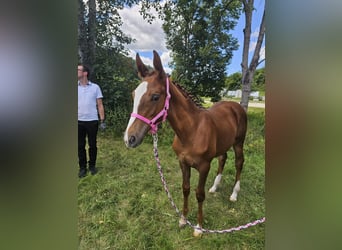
(82, 32)
(91, 31)
(258, 80)
(248, 71)
(233, 82)
(99, 25)
(117, 76)
(197, 33)
(101, 47)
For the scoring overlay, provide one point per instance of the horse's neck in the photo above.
(183, 113)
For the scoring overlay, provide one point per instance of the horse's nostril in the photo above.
(132, 139)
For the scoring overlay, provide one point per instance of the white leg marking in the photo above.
(236, 190)
(138, 93)
(182, 222)
(216, 183)
(197, 233)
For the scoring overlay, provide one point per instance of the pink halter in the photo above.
(163, 113)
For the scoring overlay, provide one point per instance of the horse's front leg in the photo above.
(200, 195)
(186, 171)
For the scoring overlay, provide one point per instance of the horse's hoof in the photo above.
(212, 190)
(182, 222)
(233, 198)
(197, 233)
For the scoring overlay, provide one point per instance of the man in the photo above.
(90, 107)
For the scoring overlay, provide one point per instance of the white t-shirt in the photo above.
(87, 101)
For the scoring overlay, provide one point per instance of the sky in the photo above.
(151, 37)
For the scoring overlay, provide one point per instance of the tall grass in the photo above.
(125, 206)
(117, 119)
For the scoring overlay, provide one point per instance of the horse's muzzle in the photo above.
(132, 142)
(135, 134)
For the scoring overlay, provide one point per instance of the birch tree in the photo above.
(249, 70)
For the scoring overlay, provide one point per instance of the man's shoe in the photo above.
(82, 173)
(93, 170)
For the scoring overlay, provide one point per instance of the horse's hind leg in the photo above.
(221, 161)
(239, 160)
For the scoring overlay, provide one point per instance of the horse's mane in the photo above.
(195, 99)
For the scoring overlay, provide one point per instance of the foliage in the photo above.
(110, 68)
(116, 120)
(259, 80)
(125, 206)
(233, 81)
(109, 33)
(100, 27)
(198, 35)
(117, 76)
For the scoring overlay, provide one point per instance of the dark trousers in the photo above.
(87, 129)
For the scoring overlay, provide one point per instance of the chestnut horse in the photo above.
(200, 134)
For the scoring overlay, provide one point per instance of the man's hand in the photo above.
(102, 125)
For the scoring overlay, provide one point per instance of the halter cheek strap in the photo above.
(163, 113)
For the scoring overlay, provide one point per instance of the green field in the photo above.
(125, 206)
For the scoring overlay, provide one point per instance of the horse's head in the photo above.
(150, 102)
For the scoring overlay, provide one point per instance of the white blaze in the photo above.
(138, 93)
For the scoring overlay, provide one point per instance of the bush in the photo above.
(117, 120)
(165, 134)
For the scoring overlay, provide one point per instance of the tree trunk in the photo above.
(91, 33)
(248, 72)
(245, 86)
(82, 32)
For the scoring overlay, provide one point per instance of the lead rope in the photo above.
(155, 150)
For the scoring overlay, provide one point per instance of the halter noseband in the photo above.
(163, 113)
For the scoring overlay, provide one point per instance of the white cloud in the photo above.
(262, 53)
(254, 36)
(252, 46)
(151, 37)
(148, 37)
(262, 50)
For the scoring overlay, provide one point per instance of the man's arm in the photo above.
(100, 108)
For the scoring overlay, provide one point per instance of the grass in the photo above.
(125, 206)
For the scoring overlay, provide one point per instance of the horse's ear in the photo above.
(157, 63)
(142, 69)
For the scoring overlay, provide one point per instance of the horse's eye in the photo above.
(155, 97)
